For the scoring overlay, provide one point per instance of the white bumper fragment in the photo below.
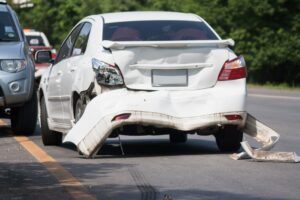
(268, 138)
(182, 110)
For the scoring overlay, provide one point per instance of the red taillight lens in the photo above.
(121, 117)
(233, 117)
(53, 56)
(233, 69)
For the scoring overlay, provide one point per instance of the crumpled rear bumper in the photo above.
(182, 110)
(96, 136)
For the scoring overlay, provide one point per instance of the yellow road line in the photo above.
(65, 178)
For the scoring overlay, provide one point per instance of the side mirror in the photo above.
(43, 56)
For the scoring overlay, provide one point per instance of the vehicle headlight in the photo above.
(12, 66)
(107, 74)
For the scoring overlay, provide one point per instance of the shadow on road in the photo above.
(27, 181)
(157, 148)
(5, 131)
(152, 148)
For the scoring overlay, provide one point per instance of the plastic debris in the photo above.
(268, 138)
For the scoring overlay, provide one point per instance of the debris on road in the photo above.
(97, 124)
(268, 138)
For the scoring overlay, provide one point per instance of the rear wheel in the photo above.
(178, 137)
(229, 139)
(23, 119)
(49, 137)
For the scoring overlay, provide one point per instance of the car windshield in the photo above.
(158, 31)
(8, 31)
(35, 40)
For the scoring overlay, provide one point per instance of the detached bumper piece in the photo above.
(176, 110)
(268, 138)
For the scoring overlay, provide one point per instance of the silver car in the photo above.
(17, 97)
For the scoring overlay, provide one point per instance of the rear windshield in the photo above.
(8, 31)
(35, 40)
(157, 31)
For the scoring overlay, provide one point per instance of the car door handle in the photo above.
(59, 73)
(73, 69)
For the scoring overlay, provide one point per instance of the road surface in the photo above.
(154, 169)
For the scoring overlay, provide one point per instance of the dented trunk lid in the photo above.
(170, 65)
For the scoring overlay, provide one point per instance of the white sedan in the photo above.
(143, 73)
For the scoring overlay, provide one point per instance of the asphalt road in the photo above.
(154, 169)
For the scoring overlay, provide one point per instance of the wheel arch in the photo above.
(75, 97)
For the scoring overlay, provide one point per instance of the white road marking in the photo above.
(274, 96)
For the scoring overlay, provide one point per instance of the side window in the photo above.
(67, 46)
(82, 40)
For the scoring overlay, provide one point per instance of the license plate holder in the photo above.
(169, 77)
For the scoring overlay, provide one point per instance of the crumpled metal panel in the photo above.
(170, 109)
(268, 138)
(260, 155)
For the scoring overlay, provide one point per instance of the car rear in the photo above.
(179, 55)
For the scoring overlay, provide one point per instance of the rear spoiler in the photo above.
(167, 44)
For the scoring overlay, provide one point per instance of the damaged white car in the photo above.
(143, 73)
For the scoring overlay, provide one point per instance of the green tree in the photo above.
(266, 31)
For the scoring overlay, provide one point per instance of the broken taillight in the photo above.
(233, 69)
(107, 74)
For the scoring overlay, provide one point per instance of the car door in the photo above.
(56, 75)
(76, 60)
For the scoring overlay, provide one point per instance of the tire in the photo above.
(229, 139)
(49, 137)
(178, 137)
(24, 119)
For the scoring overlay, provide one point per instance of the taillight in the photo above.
(107, 74)
(233, 117)
(233, 69)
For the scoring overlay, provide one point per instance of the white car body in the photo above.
(155, 92)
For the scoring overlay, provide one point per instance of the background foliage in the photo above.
(266, 32)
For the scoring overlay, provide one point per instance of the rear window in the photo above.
(8, 31)
(35, 40)
(157, 31)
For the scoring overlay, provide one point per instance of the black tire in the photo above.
(229, 139)
(49, 137)
(178, 137)
(24, 119)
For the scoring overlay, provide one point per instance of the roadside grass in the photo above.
(281, 86)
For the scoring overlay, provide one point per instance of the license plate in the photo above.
(169, 78)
